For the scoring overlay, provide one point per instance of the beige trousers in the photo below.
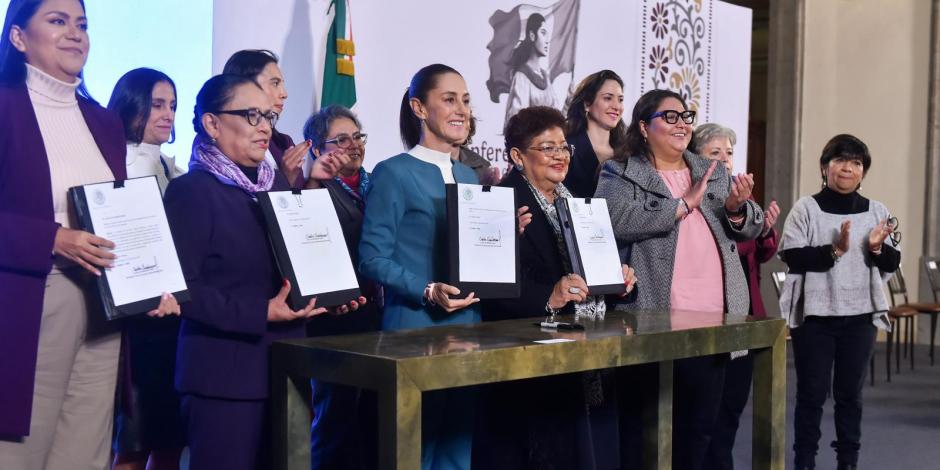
(76, 374)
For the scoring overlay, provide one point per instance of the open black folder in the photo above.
(309, 246)
(483, 250)
(592, 249)
(130, 213)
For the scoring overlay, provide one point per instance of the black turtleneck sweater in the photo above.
(819, 258)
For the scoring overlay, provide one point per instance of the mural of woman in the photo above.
(531, 82)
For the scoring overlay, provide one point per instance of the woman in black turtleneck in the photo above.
(836, 246)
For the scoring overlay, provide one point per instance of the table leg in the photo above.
(400, 426)
(657, 421)
(769, 401)
(290, 419)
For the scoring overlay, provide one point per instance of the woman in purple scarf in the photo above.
(238, 305)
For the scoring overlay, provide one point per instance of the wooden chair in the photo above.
(901, 315)
(932, 269)
(906, 311)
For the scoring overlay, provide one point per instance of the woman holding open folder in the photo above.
(59, 360)
(404, 242)
(527, 424)
(238, 305)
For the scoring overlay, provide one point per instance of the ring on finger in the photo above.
(574, 290)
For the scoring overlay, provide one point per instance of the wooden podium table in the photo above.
(401, 365)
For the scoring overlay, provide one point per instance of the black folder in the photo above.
(483, 290)
(79, 200)
(285, 265)
(574, 253)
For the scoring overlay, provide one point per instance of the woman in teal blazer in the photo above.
(404, 243)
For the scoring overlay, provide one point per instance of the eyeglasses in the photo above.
(896, 234)
(345, 141)
(252, 115)
(672, 116)
(551, 151)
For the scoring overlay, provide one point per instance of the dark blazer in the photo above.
(279, 144)
(542, 265)
(27, 234)
(231, 273)
(367, 317)
(581, 179)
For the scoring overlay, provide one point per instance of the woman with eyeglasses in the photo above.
(522, 425)
(680, 215)
(58, 357)
(343, 434)
(147, 425)
(834, 244)
(239, 299)
(595, 127)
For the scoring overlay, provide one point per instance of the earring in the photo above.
(212, 140)
(518, 166)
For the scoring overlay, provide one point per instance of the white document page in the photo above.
(487, 234)
(314, 240)
(133, 218)
(596, 243)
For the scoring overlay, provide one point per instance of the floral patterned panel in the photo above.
(676, 38)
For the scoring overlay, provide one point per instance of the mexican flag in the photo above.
(339, 82)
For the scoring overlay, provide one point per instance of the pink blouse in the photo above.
(697, 276)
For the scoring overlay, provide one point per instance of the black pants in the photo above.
(697, 390)
(737, 389)
(830, 350)
(699, 382)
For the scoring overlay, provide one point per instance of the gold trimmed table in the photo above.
(401, 365)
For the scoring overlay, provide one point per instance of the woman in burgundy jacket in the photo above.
(717, 143)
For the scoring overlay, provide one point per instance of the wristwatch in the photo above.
(835, 256)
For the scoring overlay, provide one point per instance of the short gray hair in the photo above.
(317, 127)
(706, 132)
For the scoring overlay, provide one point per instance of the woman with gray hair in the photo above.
(716, 142)
(343, 430)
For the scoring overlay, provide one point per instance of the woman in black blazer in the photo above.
(343, 434)
(535, 423)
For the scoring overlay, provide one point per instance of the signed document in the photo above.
(592, 248)
(130, 214)
(483, 230)
(309, 246)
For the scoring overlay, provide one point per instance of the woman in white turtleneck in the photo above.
(59, 358)
(146, 101)
(148, 426)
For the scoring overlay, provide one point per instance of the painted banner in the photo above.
(511, 53)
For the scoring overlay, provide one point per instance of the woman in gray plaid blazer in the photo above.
(665, 201)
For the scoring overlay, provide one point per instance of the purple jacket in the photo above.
(225, 336)
(27, 233)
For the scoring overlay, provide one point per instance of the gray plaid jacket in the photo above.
(643, 211)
